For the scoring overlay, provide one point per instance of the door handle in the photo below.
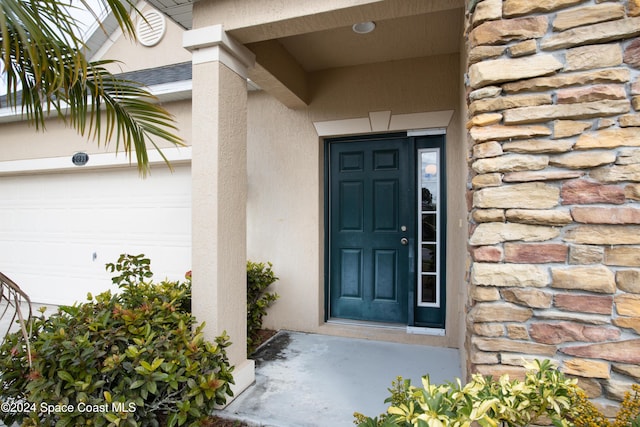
(404, 241)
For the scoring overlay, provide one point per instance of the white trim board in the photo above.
(213, 44)
(175, 155)
(165, 92)
(384, 121)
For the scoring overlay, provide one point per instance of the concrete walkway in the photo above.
(310, 380)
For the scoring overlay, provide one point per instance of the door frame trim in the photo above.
(411, 327)
(385, 121)
(420, 143)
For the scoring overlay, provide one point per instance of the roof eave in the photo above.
(165, 92)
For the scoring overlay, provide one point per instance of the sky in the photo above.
(85, 17)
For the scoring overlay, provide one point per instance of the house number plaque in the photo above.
(80, 159)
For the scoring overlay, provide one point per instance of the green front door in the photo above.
(385, 229)
(371, 229)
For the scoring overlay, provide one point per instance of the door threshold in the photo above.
(381, 325)
(415, 330)
(426, 331)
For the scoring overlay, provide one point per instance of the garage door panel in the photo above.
(58, 231)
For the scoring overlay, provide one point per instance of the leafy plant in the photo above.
(545, 392)
(586, 414)
(259, 277)
(128, 359)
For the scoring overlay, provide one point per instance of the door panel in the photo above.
(369, 199)
(351, 273)
(385, 205)
(386, 264)
(351, 200)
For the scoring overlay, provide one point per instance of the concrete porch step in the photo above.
(311, 380)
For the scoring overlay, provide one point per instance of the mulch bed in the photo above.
(221, 422)
(264, 335)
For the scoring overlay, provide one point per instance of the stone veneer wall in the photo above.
(553, 93)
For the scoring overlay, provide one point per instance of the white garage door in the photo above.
(58, 230)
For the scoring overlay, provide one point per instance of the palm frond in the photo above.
(36, 32)
(131, 112)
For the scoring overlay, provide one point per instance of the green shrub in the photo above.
(128, 359)
(586, 414)
(259, 277)
(545, 393)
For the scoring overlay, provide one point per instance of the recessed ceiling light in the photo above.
(364, 27)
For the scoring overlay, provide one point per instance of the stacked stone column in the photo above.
(553, 95)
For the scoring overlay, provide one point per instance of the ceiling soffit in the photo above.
(393, 39)
(288, 47)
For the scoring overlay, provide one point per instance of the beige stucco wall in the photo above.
(19, 141)
(132, 56)
(255, 12)
(286, 183)
(219, 189)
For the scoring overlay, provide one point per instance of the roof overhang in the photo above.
(180, 11)
(165, 92)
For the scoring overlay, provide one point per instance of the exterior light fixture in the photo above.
(364, 27)
(431, 169)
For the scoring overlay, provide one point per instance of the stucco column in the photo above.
(219, 188)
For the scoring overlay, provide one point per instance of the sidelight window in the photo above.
(429, 227)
